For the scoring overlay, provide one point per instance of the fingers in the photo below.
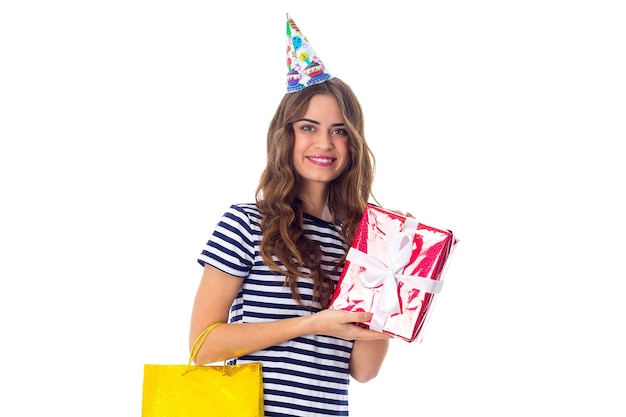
(362, 333)
(360, 317)
(346, 325)
(401, 213)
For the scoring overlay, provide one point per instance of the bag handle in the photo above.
(195, 348)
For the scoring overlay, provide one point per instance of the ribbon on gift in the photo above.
(399, 241)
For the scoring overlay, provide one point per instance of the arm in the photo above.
(367, 358)
(215, 295)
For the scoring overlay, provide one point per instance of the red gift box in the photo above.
(394, 269)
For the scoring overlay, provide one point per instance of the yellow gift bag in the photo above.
(207, 391)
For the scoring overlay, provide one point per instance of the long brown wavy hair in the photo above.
(278, 199)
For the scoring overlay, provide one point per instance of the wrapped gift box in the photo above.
(394, 269)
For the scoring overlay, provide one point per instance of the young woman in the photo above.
(270, 267)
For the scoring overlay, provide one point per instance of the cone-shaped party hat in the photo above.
(304, 67)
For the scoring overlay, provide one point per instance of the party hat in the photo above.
(304, 67)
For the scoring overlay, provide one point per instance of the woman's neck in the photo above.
(316, 204)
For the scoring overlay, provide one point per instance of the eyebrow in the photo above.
(315, 122)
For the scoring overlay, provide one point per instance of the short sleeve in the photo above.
(231, 246)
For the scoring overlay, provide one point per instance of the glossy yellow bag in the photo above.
(207, 391)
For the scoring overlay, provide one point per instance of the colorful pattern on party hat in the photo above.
(304, 67)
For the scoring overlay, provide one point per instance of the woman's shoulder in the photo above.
(245, 210)
(248, 208)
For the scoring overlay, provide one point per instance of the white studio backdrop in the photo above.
(127, 128)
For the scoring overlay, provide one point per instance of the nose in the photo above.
(324, 141)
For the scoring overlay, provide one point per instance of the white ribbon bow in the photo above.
(399, 249)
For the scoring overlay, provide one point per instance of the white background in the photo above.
(128, 127)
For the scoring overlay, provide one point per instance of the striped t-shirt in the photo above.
(305, 376)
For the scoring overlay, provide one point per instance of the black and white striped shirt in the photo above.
(305, 376)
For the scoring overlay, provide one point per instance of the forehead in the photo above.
(324, 107)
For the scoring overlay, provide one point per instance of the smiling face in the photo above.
(320, 150)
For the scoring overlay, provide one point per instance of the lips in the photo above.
(320, 160)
